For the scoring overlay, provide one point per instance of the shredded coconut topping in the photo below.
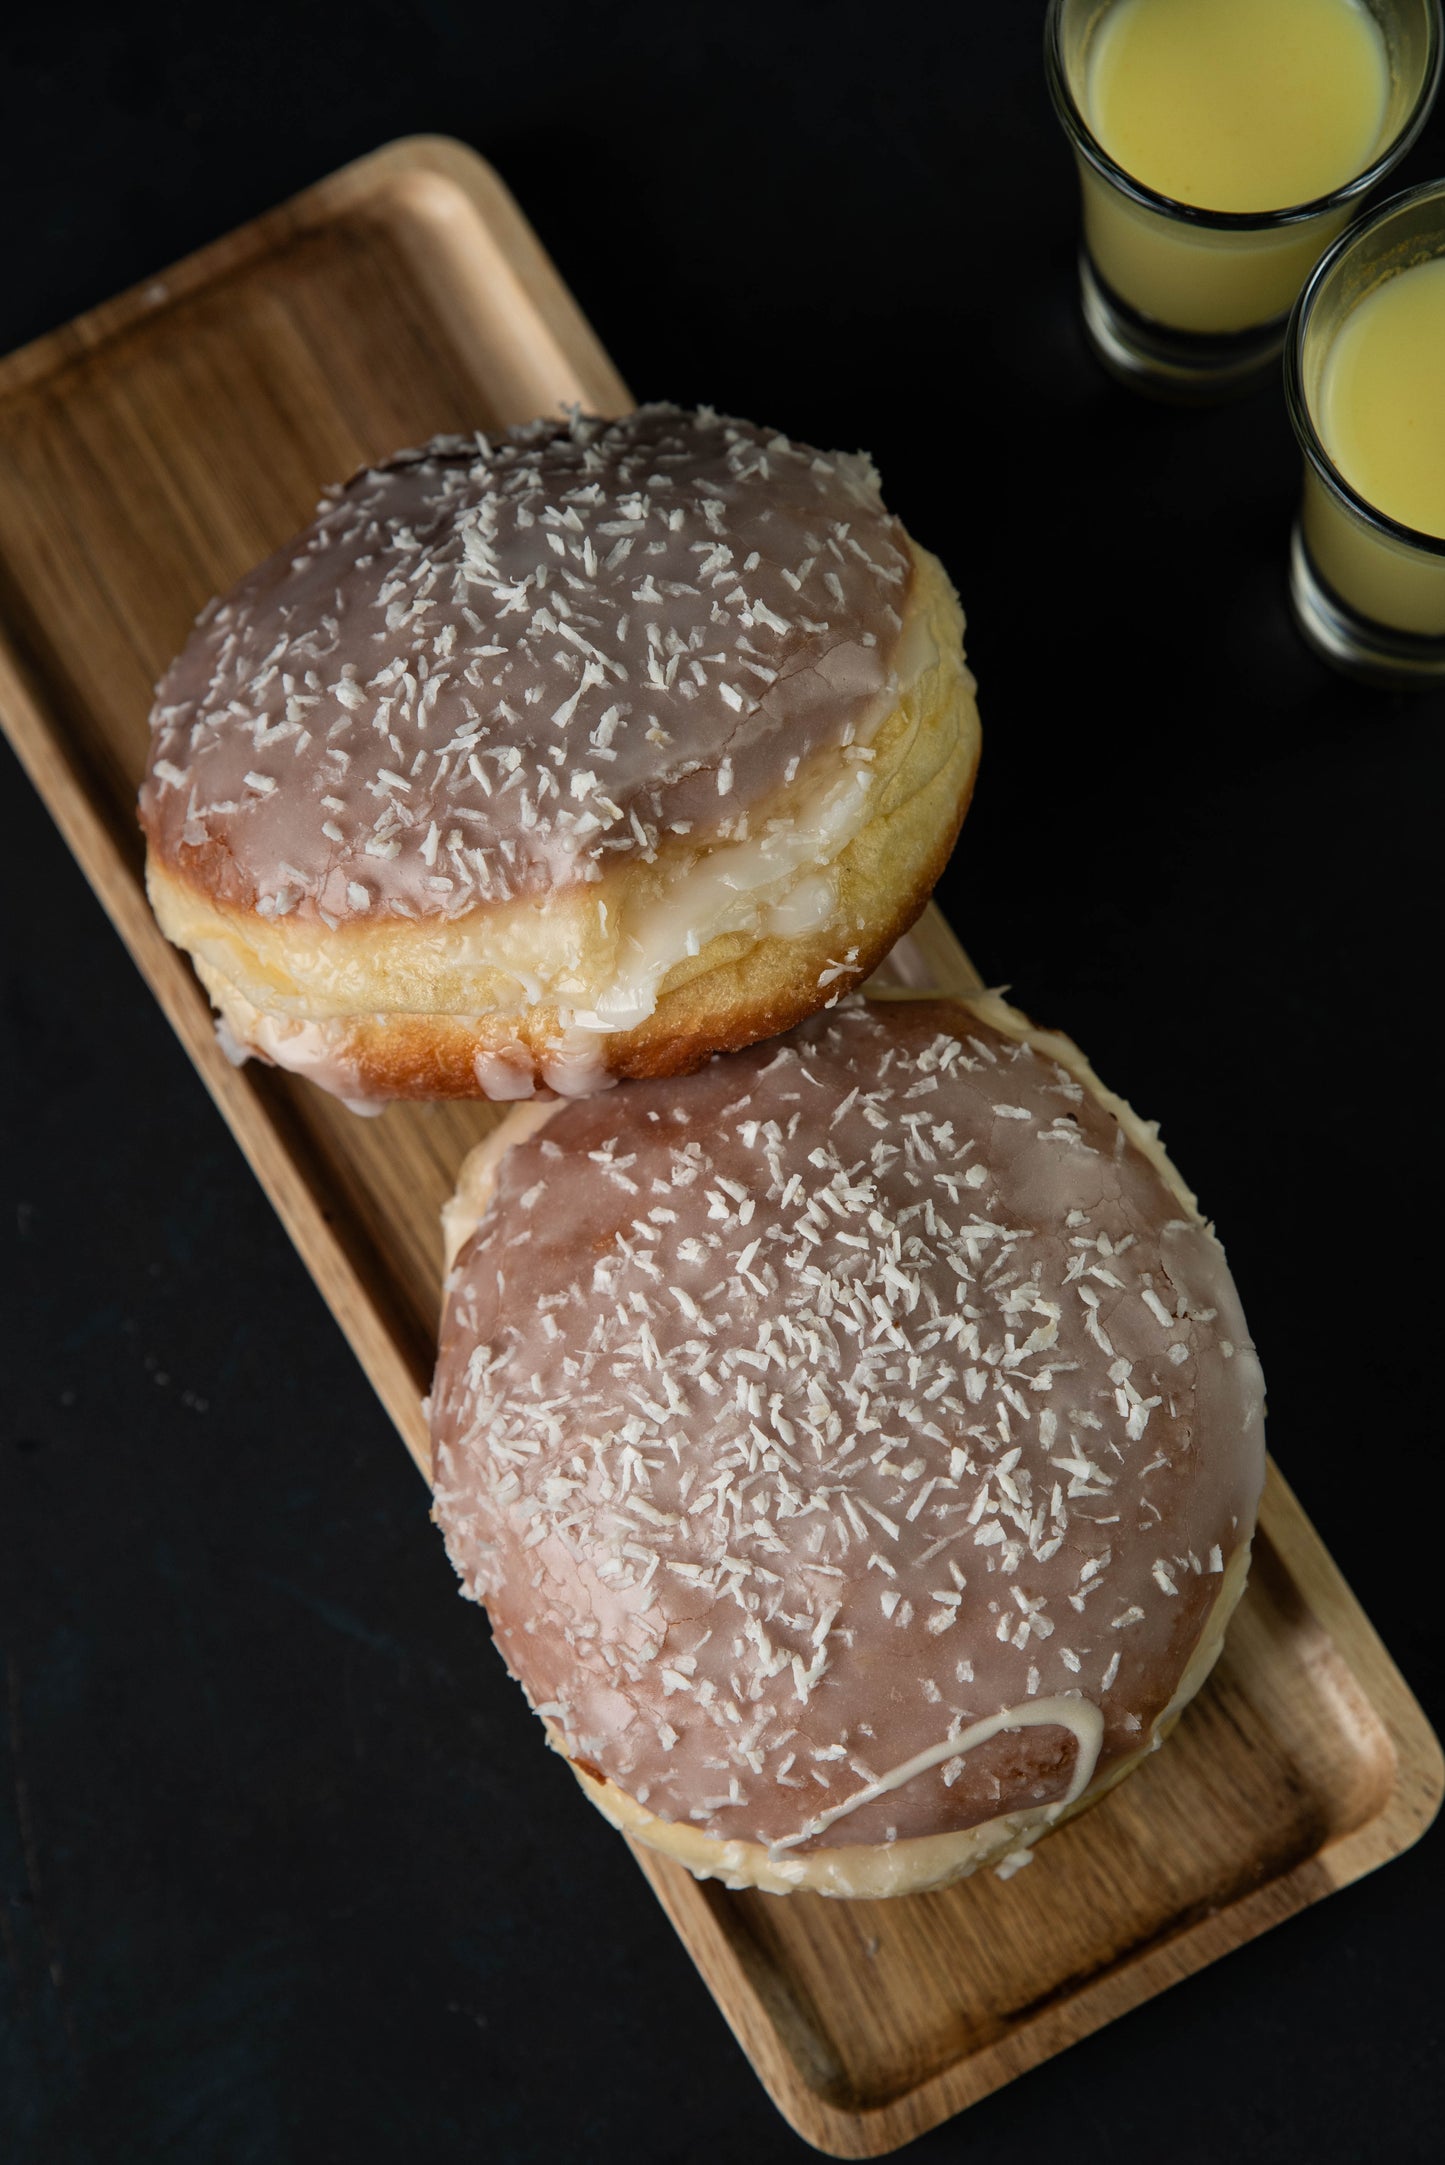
(856, 1389)
(488, 665)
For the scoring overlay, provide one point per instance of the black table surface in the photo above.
(284, 1871)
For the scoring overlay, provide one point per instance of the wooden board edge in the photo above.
(178, 991)
(1411, 1805)
(366, 180)
(866, 2131)
(715, 1958)
(1418, 1787)
(945, 953)
(93, 840)
(519, 255)
(54, 350)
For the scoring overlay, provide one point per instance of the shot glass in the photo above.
(1190, 303)
(1368, 592)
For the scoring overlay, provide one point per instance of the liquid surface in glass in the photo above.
(1239, 105)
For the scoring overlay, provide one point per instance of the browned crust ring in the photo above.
(740, 989)
(760, 992)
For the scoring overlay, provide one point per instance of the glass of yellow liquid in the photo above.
(1365, 384)
(1222, 145)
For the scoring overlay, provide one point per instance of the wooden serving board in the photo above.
(149, 453)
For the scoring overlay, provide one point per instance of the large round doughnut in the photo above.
(856, 1444)
(580, 753)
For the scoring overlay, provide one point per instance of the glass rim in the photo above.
(1295, 397)
(1088, 146)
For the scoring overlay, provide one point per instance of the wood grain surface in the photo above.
(149, 454)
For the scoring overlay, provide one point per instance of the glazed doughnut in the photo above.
(859, 1468)
(581, 753)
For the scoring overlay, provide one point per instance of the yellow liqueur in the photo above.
(1228, 117)
(1239, 105)
(1379, 408)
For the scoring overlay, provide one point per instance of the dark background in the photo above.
(284, 1872)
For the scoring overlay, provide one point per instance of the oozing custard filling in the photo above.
(598, 955)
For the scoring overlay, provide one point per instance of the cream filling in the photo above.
(778, 882)
(866, 1871)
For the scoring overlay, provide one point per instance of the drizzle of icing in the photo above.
(1079, 1716)
(861, 1871)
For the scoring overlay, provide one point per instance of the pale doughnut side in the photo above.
(880, 1493)
(674, 738)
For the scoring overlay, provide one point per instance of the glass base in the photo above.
(1187, 367)
(1371, 652)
